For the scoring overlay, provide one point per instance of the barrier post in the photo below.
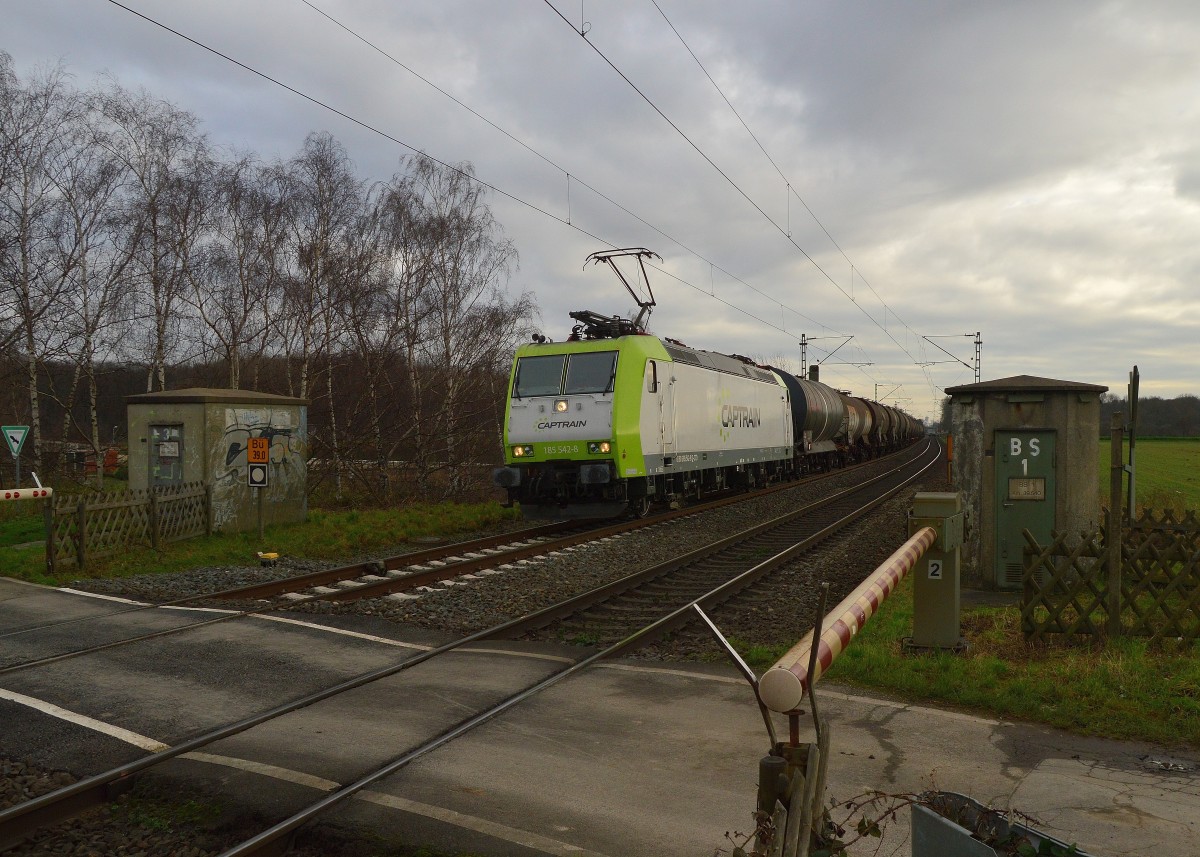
(783, 686)
(798, 818)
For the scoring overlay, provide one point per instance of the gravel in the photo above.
(532, 584)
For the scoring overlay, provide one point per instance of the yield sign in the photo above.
(14, 436)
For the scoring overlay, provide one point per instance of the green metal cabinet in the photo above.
(1025, 486)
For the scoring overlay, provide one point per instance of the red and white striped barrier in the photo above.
(783, 686)
(26, 493)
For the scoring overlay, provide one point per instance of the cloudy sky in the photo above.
(902, 170)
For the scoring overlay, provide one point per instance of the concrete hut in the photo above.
(1026, 456)
(202, 435)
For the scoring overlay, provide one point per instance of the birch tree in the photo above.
(94, 244)
(34, 120)
(233, 291)
(469, 323)
(162, 148)
(326, 198)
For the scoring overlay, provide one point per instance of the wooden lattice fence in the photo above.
(84, 527)
(1067, 587)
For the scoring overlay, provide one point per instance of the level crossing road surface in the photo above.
(626, 759)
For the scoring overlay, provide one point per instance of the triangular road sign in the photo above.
(14, 436)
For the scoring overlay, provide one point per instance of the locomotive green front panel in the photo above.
(568, 398)
(1025, 486)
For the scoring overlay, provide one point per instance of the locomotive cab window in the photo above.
(591, 373)
(539, 376)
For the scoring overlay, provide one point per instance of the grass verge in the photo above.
(326, 535)
(1126, 689)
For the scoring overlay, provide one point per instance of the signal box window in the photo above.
(591, 373)
(539, 376)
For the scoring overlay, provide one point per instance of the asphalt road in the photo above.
(626, 759)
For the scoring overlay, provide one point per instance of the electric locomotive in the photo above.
(616, 419)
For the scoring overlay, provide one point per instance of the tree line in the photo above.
(1157, 417)
(135, 251)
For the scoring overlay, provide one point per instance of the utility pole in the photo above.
(978, 351)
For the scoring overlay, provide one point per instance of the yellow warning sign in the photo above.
(258, 450)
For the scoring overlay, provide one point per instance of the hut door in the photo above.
(166, 455)
(1025, 464)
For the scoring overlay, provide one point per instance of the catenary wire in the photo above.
(355, 34)
(371, 128)
(791, 189)
(740, 190)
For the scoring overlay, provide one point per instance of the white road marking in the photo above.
(102, 597)
(338, 631)
(85, 721)
(273, 771)
(344, 633)
(467, 822)
(479, 825)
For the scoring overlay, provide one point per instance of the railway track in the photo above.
(401, 576)
(739, 556)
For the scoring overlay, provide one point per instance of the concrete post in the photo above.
(936, 577)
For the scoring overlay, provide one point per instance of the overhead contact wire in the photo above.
(374, 130)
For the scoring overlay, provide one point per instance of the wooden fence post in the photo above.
(51, 553)
(208, 509)
(154, 534)
(1114, 535)
(81, 533)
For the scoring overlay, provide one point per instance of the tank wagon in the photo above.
(616, 420)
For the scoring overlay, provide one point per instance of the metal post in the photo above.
(259, 492)
(818, 629)
(743, 668)
(1113, 538)
(1134, 378)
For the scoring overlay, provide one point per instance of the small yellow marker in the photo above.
(267, 558)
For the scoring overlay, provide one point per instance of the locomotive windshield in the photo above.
(539, 376)
(591, 373)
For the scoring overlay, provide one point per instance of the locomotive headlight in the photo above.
(522, 451)
(560, 406)
(598, 447)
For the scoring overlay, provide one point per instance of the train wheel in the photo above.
(640, 507)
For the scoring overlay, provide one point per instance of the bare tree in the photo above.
(326, 203)
(241, 275)
(468, 323)
(94, 244)
(168, 157)
(34, 121)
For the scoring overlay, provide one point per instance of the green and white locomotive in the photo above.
(615, 420)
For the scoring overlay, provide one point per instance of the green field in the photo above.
(331, 535)
(1168, 472)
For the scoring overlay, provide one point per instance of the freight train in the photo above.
(616, 420)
